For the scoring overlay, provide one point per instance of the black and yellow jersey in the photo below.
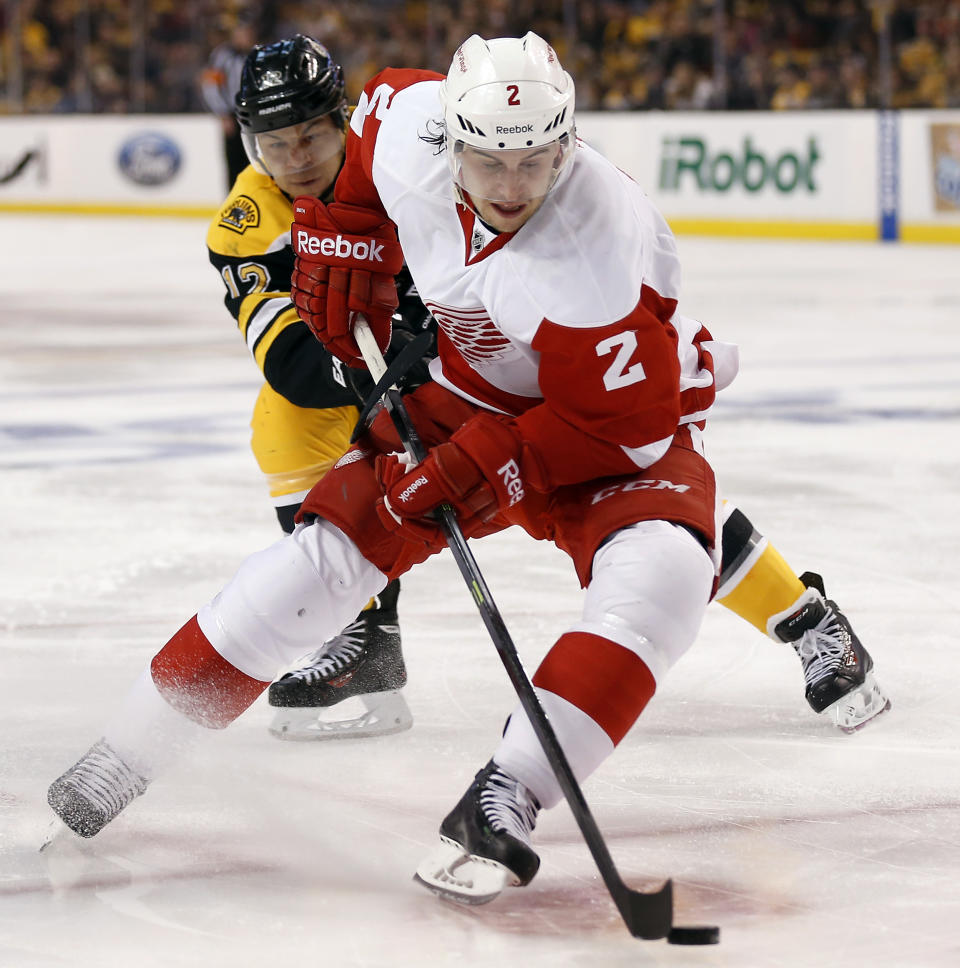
(249, 245)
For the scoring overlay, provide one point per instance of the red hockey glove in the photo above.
(477, 471)
(346, 258)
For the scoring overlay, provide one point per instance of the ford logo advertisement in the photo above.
(149, 159)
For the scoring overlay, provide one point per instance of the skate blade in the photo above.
(454, 875)
(859, 707)
(383, 713)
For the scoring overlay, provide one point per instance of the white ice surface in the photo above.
(128, 495)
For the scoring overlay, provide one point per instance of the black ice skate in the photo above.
(837, 668)
(93, 791)
(363, 663)
(485, 841)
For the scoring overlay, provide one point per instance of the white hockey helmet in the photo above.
(507, 94)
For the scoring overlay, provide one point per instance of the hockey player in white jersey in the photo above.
(575, 392)
(569, 398)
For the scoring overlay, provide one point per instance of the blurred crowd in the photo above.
(149, 55)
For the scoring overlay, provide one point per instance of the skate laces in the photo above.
(105, 780)
(508, 805)
(336, 655)
(823, 647)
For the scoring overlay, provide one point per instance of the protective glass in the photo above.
(509, 175)
(294, 150)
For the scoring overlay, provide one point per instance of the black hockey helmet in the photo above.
(287, 83)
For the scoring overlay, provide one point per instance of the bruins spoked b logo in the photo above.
(239, 214)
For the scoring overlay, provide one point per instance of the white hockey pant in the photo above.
(289, 597)
(648, 592)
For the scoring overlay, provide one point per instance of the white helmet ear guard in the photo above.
(507, 93)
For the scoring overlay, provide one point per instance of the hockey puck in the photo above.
(706, 934)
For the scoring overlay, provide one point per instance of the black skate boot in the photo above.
(485, 841)
(364, 662)
(837, 668)
(93, 791)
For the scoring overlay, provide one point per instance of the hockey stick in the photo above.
(410, 354)
(646, 915)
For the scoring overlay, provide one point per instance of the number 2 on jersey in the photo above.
(618, 373)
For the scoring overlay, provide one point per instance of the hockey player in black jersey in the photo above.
(293, 113)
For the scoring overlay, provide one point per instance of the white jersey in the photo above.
(572, 318)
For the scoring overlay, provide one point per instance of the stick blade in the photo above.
(647, 916)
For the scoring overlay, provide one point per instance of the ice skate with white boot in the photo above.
(837, 669)
(485, 841)
(94, 790)
(349, 687)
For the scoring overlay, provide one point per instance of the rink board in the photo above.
(854, 175)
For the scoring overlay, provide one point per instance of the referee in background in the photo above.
(220, 82)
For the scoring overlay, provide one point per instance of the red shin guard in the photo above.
(198, 682)
(611, 684)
